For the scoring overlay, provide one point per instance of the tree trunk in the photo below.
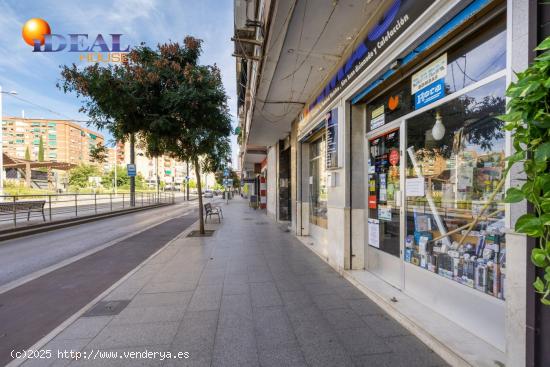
(199, 191)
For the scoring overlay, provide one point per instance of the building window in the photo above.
(318, 182)
(456, 170)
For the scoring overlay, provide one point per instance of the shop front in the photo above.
(434, 180)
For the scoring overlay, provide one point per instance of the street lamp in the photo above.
(2, 143)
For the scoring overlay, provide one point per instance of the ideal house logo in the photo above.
(37, 33)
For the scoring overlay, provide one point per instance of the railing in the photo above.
(18, 210)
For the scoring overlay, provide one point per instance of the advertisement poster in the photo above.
(414, 186)
(382, 193)
(332, 139)
(377, 118)
(384, 213)
(374, 233)
(435, 70)
(429, 94)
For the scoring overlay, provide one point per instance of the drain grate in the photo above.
(207, 233)
(261, 223)
(107, 308)
(247, 218)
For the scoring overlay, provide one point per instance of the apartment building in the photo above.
(62, 140)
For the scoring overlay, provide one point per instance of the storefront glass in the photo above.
(384, 188)
(455, 161)
(318, 182)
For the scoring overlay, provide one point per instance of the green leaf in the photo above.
(510, 117)
(530, 225)
(516, 157)
(514, 195)
(539, 285)
(544, 45)
(545, 205)
(545, 301)
(543, 151)
(538, 257)
(545, 219)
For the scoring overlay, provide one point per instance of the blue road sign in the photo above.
(131, 168)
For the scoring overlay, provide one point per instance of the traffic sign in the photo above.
(131, 169)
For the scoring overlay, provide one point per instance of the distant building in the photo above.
(63, 140)
(170, 171)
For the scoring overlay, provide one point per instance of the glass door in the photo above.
(385, 206)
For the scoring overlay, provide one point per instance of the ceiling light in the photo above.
(438, 130)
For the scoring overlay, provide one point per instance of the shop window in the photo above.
(482, 55)
(455, 159)
(318, 183)
(384, 189)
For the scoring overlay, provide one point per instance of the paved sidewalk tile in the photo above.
(250, 295)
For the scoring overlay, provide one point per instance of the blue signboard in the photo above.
(332, 139)
(429, 94)
(131, 168)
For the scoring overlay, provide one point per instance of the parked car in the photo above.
(208, 194)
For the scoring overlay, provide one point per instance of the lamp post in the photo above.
(2, 143)
(115, 184)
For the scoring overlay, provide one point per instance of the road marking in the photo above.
(37, 274)
(52, 334)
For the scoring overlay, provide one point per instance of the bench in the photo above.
(209, 211)
(23, 206)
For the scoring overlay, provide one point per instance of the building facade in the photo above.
(171, 172)
(62, 140)
(373, 126)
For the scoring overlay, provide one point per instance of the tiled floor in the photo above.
(251, 295)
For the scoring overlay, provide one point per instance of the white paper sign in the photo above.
(374, 233)
(384, 213)
(414, 186)
(435, 70)
(377, 118)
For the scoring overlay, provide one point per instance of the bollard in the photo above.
(76, 205)
(50, 206)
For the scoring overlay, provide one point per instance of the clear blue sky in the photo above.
(34, 75)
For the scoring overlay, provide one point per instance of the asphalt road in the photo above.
(24, 256)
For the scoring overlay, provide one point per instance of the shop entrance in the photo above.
(385, 207)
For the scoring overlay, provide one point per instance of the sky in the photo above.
(34, 75)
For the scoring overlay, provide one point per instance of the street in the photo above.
(24, 256)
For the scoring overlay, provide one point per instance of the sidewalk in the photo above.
(251, 295)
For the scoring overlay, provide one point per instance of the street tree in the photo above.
(164, 97)
(189, 119)
(99, 153)
(112, 98)
(41, 150)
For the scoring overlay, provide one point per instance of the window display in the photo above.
(384, 193)
(456, 152)
(318, 182)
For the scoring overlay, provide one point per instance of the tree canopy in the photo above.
(173, 104)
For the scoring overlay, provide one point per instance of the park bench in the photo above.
(12, 207)
(209, 211)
